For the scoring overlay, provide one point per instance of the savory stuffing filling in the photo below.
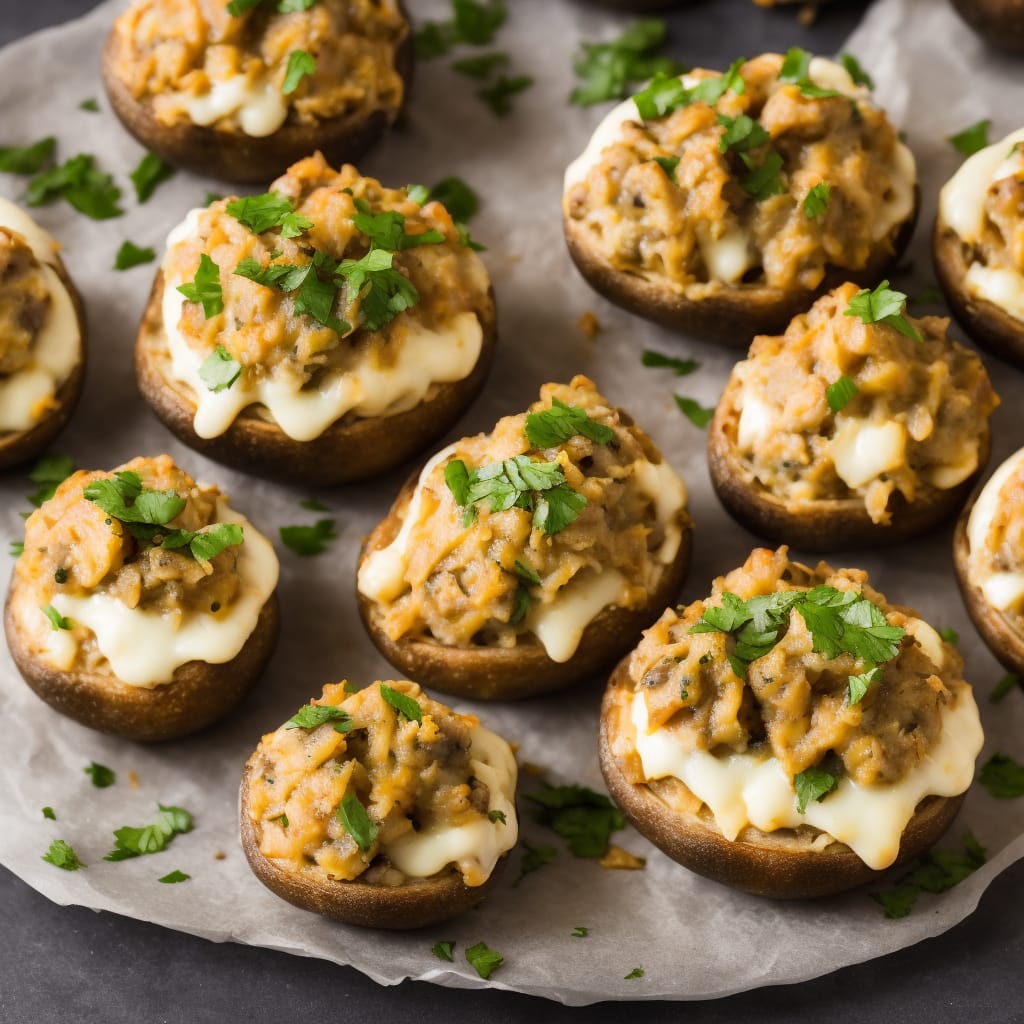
(504, 525)
(357, 779)
(198, 60)
(839, 408)
(24, 301)
(767, 176)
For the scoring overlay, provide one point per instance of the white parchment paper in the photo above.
(692, 938)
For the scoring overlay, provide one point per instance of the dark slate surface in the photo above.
(74, 966)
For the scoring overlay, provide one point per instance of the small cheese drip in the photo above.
(260, 106)
(559, 626)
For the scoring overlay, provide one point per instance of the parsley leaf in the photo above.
(484, 960)
(812, 784)
(313, 505)
(57, 621)
(667, 93)
(300, 64)
(79, 182)
(971, 139)
(860, 684)
(524, 572)
(476, 21)
(668, 164)
(211, 198)
(816, 201)
(580, 932)
(49, 471)
(480, 67)
(219, 370)
(206, 544)
(309, 716)
(936, 872)
(16, 548)
(637, 972)
(457, 198)
(150, 173)
(205, 287)
(585, 818)
(497, 817)
(124, 498)
(949, 634)
(27, 159)
(1004, 686)
(533, 859)
(174, 877)
(133, 841)
(131, 255)
(522, 601)
(49, 814)
(383, 291)
(796, 69)
(556, 425)
(443, 951)
(270, 210)
(92, 105)
(100, 774)
(309, 540)
(740, 133)
(839, 393)
(352, 815)
(62, 856)
(498, 96)
(700, 416)
(387, 230)
(402, 703)
(883, 306)
(314, 295)
(855, 71)
(1002, 777)
(681, 367)
(763, 180)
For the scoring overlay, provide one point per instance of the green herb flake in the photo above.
(949, 635)
(637, 972)
(815, 203)
(62, 856)
(498, 96)
(309, 540)
(484, 960)
(57, 621)
(150, 173)
(858, 685)
(533, 859)
(16, 548)
(763, 180)
(526, 573)
(131, 255)
(580, 932)
(481, 68)
(883, 306)
(91, 105)
(48, 472)
(100, 775)
(936, 872)
(300, 64)
(1003, 777)
(356, 821)
(668, 164)
(205, 287)
(263, 212)
(796, 69)
(174, 877)
(840, 392)
(27, 159)
(811, 785)
(309, 716)
(699, 415)
(219, 370)
(1009, 682)
(477, 21)
(740, 134)
(313, 505)
(971, 139)
(680, 367)
(443, 950)
(49, 814)
(556, 425)
(402, 703)
(132, 841)
(497, 817)
(77, 181)
(457, 198)
(212, 197)
(856, 71)
(584, 818)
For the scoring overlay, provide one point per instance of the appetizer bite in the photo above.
(791, 735)
(722, 204)
(524, 560)
(142, 604)
(379, 807)
(859, 426)
(988, 552)
(42, 338)
(241, 90)
(323, 332)
(978, 247)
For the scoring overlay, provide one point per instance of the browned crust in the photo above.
(353, 448)
(235, 156)
(414, 904)
(198, 694)
(829, 524)
(999, 22)
(728, 315)
(496, 673)
(992, 328)
(779, 865)
(996, 630)
(20, 446)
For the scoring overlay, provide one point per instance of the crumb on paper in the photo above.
(133, 780)
(588, 325)
(536, 771)
(618, 859)
(220, 855)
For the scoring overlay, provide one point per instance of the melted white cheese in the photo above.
(259, 105)
(57, 348)
(145, 647)
(861, 450)
(752, 788)
(363, 386)
(757, 420)
(662, 484)
(473, 848)
(1002, 590)
(1002, 286)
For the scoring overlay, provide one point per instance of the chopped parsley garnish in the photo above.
(855, 71)
(537, 487)
(668, 164)
(92, 105)
(300, 64)
(49, 814)
(482, 67)
(699, 415)
(270, 210)
(556, 425)
(484, 960)
(211, 198)
(498, 96)
(859, 685)
(282, 818)
(131, 841)
(839, 393)
(763, 180)
(533, 859)
(585, 818)
(883, 306)
(150, 173)
(314, 295)
(949, 634)
(936, 872)
(352, 815)
(16, 548)
(1002, 777)
(816, 201)
(740, 133)
(1009, 682)
(309, 716)
(174, 877)
(313, 505)
(219, 370)
(524, 572)
(666, 93)
(608, 70)
(522, 602)
(580, 932)
(387, 230)
(309, 540)
(971, 139)
(443, 951)
(27, 159)
(473, 22)
(812, 784)
(100, 774)
(131, 255)
(796, 69)
(637, 972)
(57, 621)
(48, 472)
(457, 198)
(77, 180)
(680, 367)
(402, 703)
(205, 287)
(62, 856)
(498, 817)
(238, 7)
